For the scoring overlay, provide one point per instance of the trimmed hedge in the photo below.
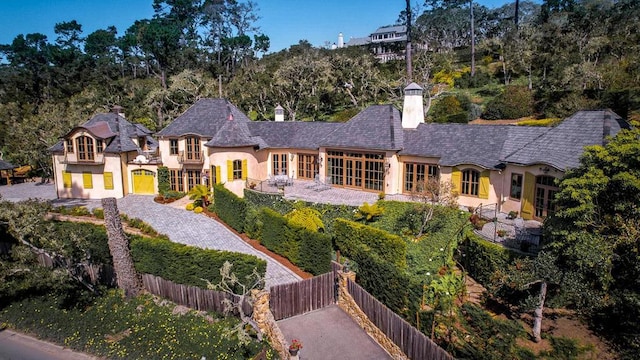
(230, 208)
(352, 239)
(188, 265)
(309, 250)
(164, 184)
(272, 201)
(383, 280)
(485, 258)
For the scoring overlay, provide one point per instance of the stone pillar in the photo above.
(266, 322)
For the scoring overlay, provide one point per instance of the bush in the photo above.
(99, 213)
(190, 207)
(230, 208)
(541, 122)
(353, 239)
(307, 249)
(189, 265)
(164, 184)
(198, 210)
(515, 102)
(483, 258)
(307, 218)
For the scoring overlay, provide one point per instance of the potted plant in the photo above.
(501, 232)
(295, 346)
(512, 215)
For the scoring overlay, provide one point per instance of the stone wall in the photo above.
(267, 323)
(348, 305)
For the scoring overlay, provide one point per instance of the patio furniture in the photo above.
(281, 180)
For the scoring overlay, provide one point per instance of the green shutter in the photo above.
(217, 169)
(87, 180)
(66, 179)
(528, 196)
(456, 178)
(483, 193)
(108, 181)
(244, 169)
(229, 170)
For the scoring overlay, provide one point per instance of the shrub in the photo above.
(352, 238)
(272, 201)
(99, 213)
(368, 212)
(198, 209)
(307, 218)
(515, 102)
(187, 264)
(310, 250)
(230, 208)
(541, 122)
(164, 184)
(483, 258)
(190, 207)
(172, 194)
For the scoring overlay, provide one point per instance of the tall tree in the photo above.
(126, 275)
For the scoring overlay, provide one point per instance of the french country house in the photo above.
(379, 150)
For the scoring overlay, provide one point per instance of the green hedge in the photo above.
(187, 264)
(273, 201)
(483, 258)
(230, 208)
(309, 250)
(164, 184)
(385, 281)
(352, 238)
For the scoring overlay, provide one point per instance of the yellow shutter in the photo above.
(528, 196)
(483, 193)
(244, 169)
(217, 174)
(229, 170)
(87, 180)
(108, 181)
(66, 179)
(456, 178)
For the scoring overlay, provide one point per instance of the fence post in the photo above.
(267, 323)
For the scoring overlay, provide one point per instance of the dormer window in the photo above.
(69, 143)
(99, 146)
(85, 148)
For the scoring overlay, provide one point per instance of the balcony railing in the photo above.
(148, 157)
(73, 158)
(191, 157)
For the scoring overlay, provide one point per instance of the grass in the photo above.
(110, 327)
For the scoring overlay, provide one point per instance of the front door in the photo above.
(545, 193)
(353, 173)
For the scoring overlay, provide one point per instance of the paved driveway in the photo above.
(180, 225)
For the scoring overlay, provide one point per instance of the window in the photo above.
(307, 166)
(85, 148)
(470, 182)
(516, 186)
(175, 180)
(69, 146)
(99, 146)
(237, 169)
(108, 181)
(173, 147)
(415, 175)
(279, 164)
(193, 178)
(66, 179)
(193, 148)
(142, 143)
(357, 170)
(87, 180)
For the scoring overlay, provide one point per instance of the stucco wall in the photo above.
(77, 190)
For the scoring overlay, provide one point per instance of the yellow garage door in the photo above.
(143, 182)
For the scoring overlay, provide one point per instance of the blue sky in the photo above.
(284, 21)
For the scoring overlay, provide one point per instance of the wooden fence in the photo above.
(409, 339)
(297, 298)
(190, 296)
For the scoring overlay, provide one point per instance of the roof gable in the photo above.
(204, 118)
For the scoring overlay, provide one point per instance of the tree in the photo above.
(593, 234)
(431, 192)
(126, 275)
(239, 293)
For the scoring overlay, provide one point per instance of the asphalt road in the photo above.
(16, 346)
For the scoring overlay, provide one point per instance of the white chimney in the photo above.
(279, 113)
(413, 109)
(340, 41)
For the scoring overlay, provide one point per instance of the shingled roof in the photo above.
(378, 127)
(293, 134)
(233, 133)
(204, 118)
(563, 145)
(116, 130)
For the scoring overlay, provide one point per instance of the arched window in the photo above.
(84, 145)
(470, 182)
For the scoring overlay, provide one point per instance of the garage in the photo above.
(143, 182)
